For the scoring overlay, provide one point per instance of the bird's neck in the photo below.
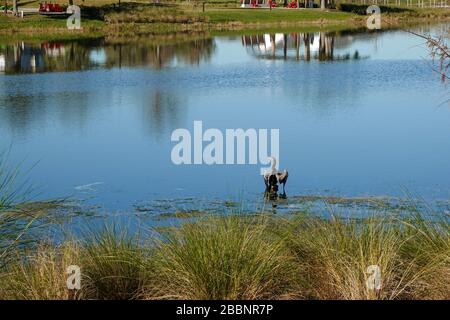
(274, 164)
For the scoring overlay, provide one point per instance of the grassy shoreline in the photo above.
(243, 257)
(135, 19)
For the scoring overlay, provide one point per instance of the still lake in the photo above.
(360, 114)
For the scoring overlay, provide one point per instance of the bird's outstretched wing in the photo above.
(282, 176)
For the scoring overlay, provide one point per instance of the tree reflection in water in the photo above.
(299, 46)
(22, 57)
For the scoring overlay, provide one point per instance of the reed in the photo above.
(14, 223)
(246, 257)
(231, 257)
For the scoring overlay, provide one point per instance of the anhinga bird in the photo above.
(273, 177)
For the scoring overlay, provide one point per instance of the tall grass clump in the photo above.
(338, 253)
(113, 264)
(335, 255)
(110, 261)
(429, 247)
(230, 257)
(13, 223)
(41, 274)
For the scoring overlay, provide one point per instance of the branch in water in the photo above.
(439, 51)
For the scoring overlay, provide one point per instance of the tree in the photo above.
(440, 52)
(322, 4)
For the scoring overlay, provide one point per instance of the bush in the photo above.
(223, 258)
(361, 8)
(112, 264)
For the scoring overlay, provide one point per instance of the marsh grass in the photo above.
(21, 218)
(223, 258)
(113, 265)
(14, 224)
(246, 257)
(429, 248)
(336, 254)
(41, 274)
(111, 262)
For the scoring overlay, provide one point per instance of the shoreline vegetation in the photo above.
(242, 257)
(136, 19)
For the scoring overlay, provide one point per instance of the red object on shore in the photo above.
(292, 5)
(50, 7)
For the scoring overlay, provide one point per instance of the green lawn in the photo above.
(276, 15)
(7, 22)
(36, 27)
(38, 21)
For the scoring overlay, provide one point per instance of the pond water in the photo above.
(359, 114)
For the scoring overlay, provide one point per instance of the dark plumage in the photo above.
(274, 177)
